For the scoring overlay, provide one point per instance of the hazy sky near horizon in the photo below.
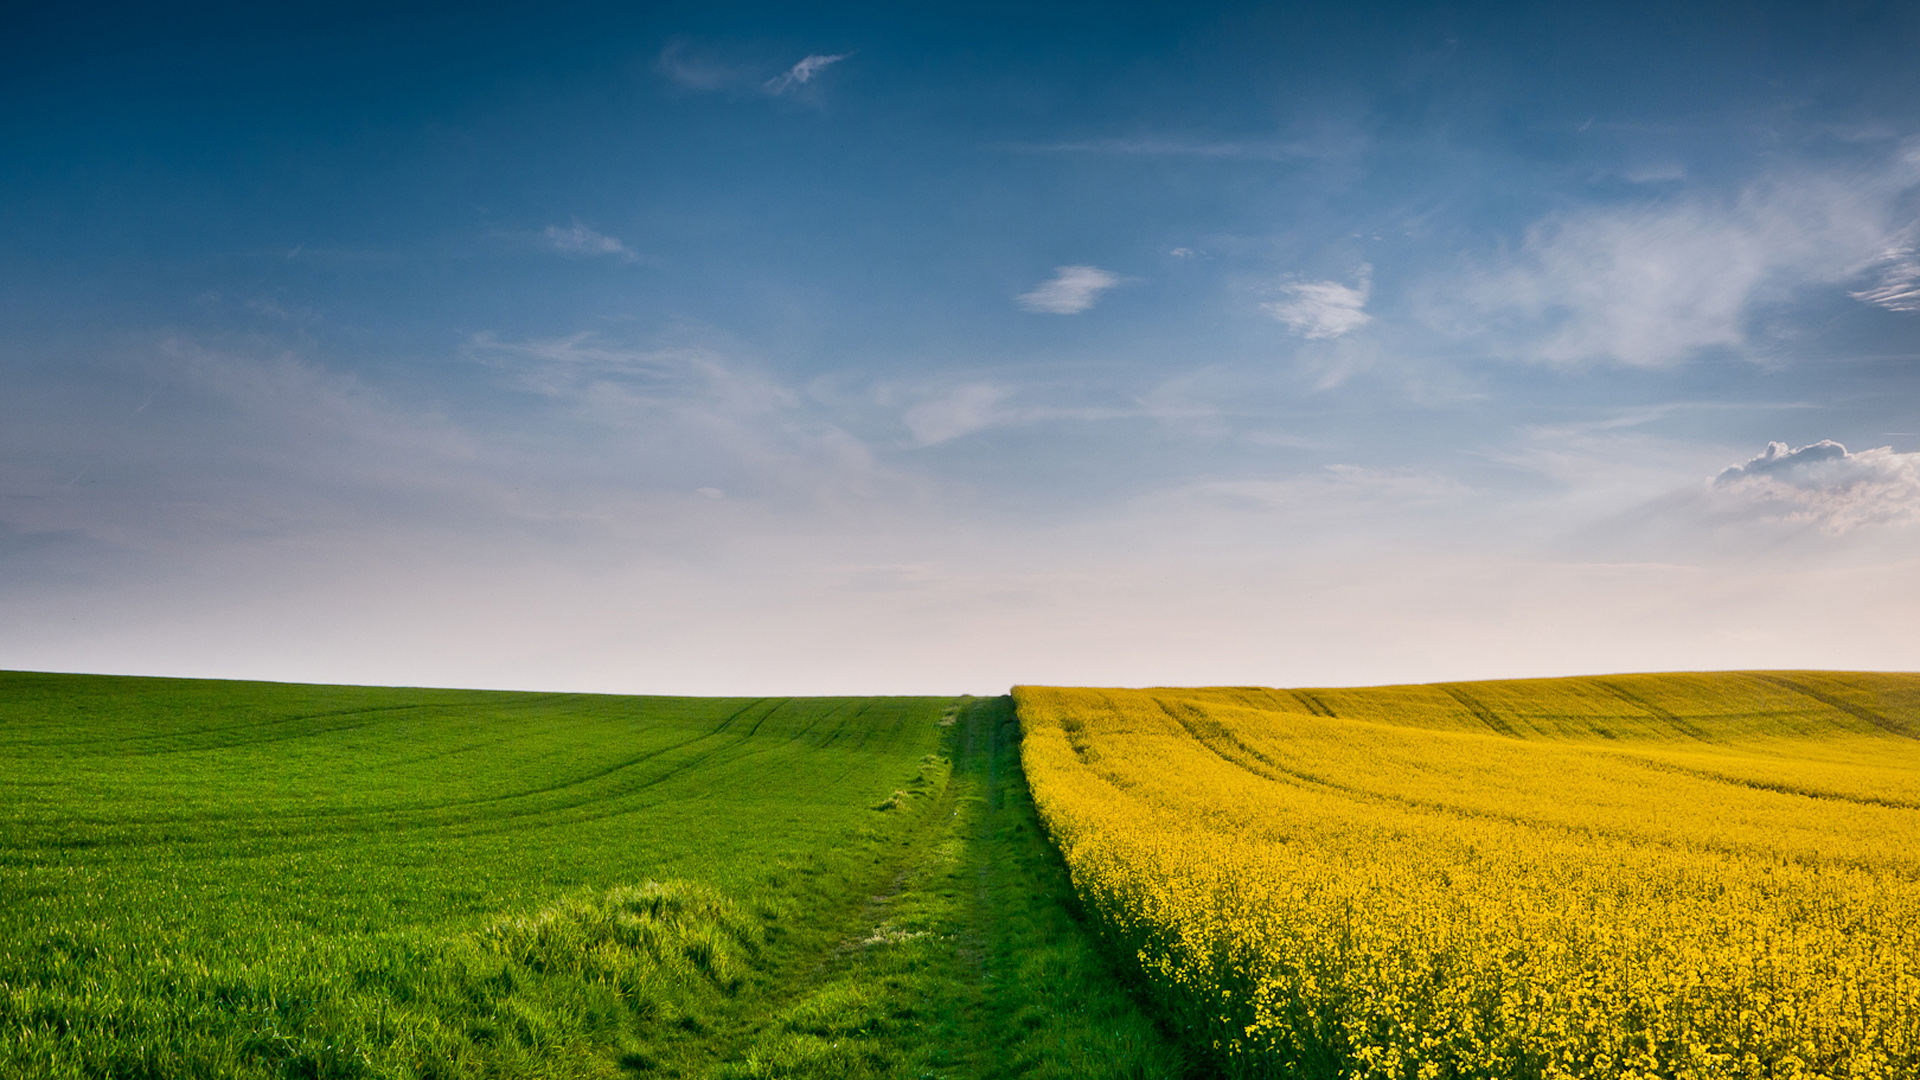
(711, 348)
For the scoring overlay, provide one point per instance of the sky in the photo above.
(802, 349)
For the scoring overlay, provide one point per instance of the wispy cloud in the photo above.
(961, 411)
(1324, 309)
(941, 411)
(577, 239)
(1254, 150)
(1333, 144)
(1822, 484)
(234, 444)
(1654, 284)
(688, 416)
(620, 384)
(1898, 288)
(1073, 290)
(1342, 486)
(1664, 172)
(803, 72)
(678, 65)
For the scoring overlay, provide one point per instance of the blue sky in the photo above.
(719, 349)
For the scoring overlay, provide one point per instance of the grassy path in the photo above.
(967, 961)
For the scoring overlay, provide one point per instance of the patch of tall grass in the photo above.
(568, 990)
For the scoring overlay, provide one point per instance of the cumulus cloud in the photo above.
(1073, 290)
(802, 73)
(1654, 284)
(577, 239)
(1823, 484)
(1324, 309)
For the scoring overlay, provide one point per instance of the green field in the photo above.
(205, 878)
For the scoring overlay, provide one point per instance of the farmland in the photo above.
(1676, 876)
(1685, 876)
(262, 880)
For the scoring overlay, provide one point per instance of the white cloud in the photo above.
(651, 390)
(961, 411)
(1073, 290)
(939, 411)
(1324, 309)
(1661, 173)
(1899, 286)
(1339, 487)
(1654, 284)
(1157, 147)
(690, 416)
(690, 72)
(232, 443)
(338, 533)
(1822, 484)
(577, 239)
(679, 64)
(1332, 144)
(803, 72)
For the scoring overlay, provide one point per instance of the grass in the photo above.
(206, 878)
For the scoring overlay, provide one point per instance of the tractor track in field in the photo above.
(322, 823)
(1211, 734)
(1776, 787)
(374, 714)
(1884, 723)
(1665, 716)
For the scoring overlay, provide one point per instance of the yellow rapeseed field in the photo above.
(1677, 876)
